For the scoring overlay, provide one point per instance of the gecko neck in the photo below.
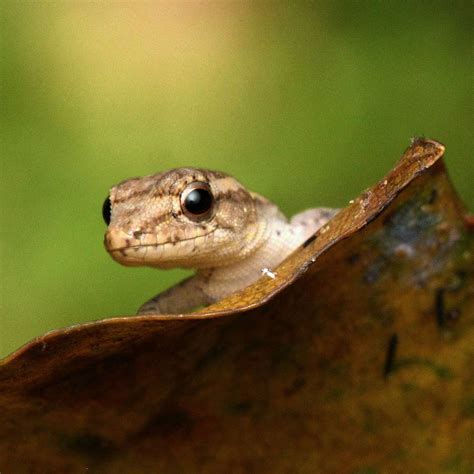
(277, 242)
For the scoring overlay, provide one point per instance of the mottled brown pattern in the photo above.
(133, 194)
(136, 187)
(147, 212)
(237, 197)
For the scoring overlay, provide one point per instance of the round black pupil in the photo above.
(198, 201)
(106, 208)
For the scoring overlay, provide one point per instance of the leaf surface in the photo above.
(357, 358)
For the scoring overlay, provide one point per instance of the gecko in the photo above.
(203, 220)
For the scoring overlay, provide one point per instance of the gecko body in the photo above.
(204, 220)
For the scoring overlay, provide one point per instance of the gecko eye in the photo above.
(106, 209)
(197, 201)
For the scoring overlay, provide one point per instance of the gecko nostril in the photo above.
(137, 234)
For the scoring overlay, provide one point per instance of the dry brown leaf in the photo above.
(357, 358)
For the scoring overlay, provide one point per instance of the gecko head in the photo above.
(186, 217)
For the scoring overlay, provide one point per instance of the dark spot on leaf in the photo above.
(433, 196)
(354, 258)
(308, 241)
(88, 444)
(439, 307)
(167, 422)
(241, 407)
(211, 355)
(390, 356)
(296, 386)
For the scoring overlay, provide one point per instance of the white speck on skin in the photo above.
(351, 201)
(267, 272)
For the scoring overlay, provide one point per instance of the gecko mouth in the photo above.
(127, 246)
(167, 254)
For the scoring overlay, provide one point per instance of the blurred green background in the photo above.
(306, 103)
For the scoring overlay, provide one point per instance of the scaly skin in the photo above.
(236, 236)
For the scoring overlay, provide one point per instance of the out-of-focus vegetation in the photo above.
(307, 104)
